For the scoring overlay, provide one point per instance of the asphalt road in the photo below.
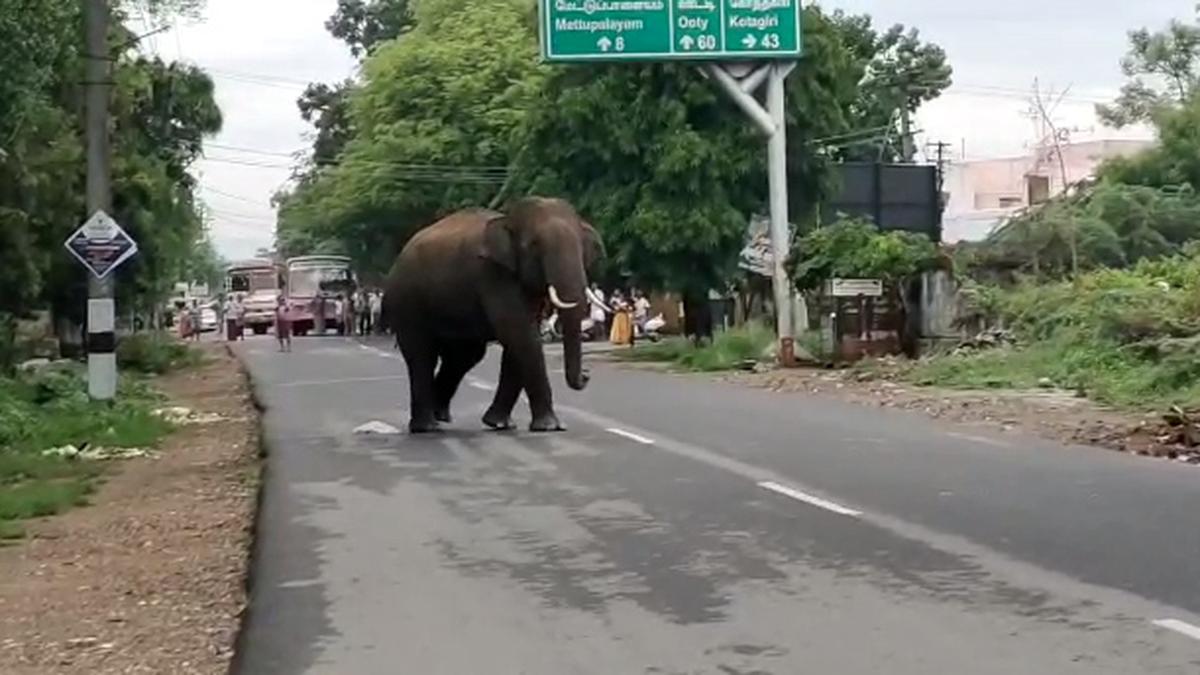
(683, 526)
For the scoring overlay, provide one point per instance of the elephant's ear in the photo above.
(499, 243)
(593, 245)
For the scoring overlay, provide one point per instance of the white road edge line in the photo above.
(978, 439)
(480, 385)
(1181, 627)
(631, 436)
(809, 499)
(349, 380)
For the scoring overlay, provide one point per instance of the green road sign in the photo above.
(669, 30)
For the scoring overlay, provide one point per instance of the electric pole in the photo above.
(101, 314)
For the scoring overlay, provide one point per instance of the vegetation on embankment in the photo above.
(48, 409)
(728, 350)
(1130, 338)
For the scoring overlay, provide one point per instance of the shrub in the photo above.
(154, 353)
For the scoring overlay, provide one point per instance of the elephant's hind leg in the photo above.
(458, 358)
(499, 415)
(421, 359)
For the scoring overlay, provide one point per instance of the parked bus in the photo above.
(317, 280)
(258, 281)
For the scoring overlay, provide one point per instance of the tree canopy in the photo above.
(454, 112)
(433, 125)
(160, 114)
(1163, 68)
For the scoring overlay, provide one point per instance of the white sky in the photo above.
(262, 52)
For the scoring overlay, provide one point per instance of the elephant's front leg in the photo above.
(516, 327)
(499, 415)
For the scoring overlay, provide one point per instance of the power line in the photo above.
(227, 195)
(396, 171)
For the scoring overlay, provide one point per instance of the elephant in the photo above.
(478, 276)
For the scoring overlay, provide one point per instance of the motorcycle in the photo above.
(649, 329)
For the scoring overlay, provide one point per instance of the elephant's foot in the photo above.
(498, 421)
(416, 426)
(546, 422)
(443, 415)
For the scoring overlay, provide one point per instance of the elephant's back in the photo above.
(435, 267)
(451, 235)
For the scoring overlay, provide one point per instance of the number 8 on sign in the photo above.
(620, 44)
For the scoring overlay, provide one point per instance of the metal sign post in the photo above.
(101, 246)
(772, 121)
(102, 358)
(712, 31)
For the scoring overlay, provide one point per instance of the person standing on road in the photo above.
(283, 326)
(363, 305)
(195, 317)
(641, 309)
(376, 308)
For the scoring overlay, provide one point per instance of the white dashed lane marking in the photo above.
(809, 499)
(630, 435)
(1181, 627)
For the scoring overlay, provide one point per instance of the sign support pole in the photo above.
(101, 314)
(780, 229)
(773, 123)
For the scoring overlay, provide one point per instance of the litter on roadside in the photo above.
(96, 453)
(185, 416)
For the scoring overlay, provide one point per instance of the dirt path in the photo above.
(149, 579)
(1048, 413)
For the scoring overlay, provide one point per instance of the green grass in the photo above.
(50, 409)
(728, 350)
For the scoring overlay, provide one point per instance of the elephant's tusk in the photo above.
(597, 301)
(558, 302)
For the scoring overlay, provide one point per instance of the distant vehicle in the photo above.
(259, 282)
(208, 319)
(311, 278)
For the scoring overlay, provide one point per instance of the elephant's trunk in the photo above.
(568, 292)
(572, 329)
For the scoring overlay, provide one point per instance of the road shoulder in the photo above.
(151, 576)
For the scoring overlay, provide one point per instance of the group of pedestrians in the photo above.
(630, 313)
(365, 312)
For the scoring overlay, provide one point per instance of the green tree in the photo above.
(897, 74)
(855, 248)
(363, 24)
(670, 171)
(1174, 161)
(433, 128)
(1164, 72)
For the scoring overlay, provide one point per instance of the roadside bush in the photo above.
(728, 349)
(154, 353)
(1126, 337)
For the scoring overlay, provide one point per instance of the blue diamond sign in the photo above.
(101, 245)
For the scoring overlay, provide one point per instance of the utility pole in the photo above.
(907, 151)
(101, 314)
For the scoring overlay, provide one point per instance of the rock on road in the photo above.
(682, 526)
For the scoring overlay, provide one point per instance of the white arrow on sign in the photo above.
(604, 44)
(749, 41)
(686, 42)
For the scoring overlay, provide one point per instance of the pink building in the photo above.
(984, 193)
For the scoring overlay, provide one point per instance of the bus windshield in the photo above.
(252, 281)
(306, 281)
